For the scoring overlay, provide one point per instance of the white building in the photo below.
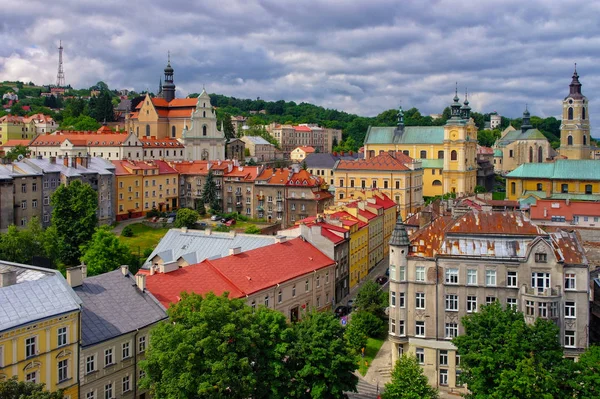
(202, 140)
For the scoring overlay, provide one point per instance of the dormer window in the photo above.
(541, 257)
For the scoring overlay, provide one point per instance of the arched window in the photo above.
(173, 131)
(441, 154)
(539, 187)
(588, 188)
(530, 154)
(437, 183)
(148, 130)
(570, 112)
(204, 130)
(137, 131)
(405, 152)
(513, 188)
(453, 155)
(583, 113)
(584, 139)
(540, 155)
(204, 114)
(570, 140)
(423, 154)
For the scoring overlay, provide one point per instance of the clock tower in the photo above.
(575, 127)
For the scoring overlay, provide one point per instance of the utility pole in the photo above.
(60, 76)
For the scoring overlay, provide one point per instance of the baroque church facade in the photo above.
(203, 140)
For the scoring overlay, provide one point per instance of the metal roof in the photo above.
(38, 294)
(410, 135)
(566, 169)
(256, 140)
(432, 163)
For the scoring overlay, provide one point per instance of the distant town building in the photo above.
(304, 135)
(300, 153)
(14, 127)
(202, 139)
(260, 149)
(495, 121)
(321, 164)
(235, 149)
(485, 167)
(575, 127)
(565, 213)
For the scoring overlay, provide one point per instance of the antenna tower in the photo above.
(60, 76)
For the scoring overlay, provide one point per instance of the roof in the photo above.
(256, 140)
(567, 169)
(545, 209)
(568, 248)
(14, 143)
(410, 135)
(383, 161)
(304, 178)
(204, 245)
(497, 153)
(38, 294)
(113, 305)
(242, 274)
(327, 160)
(86, 138)
(153, 142)
(484, 150)
(432, 163)
(399, 235)
(306, 149)
(301, 128)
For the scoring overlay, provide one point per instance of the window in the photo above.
(34, 187)
(569, 338)
(267, 301)
(541, 281)
(401, 301)
(529, 308)
(142, 374)
(489, 300)
(420, 354)
(306, 286)
(453, 155)
(511, 303)
(423, 154)
(401, 330)
(30, 347)
(511, 279)
(31, 377)
(452, 303)
(293, 290)
(543, 310)
(471, 276)
(108, 391)
(90, 364)
(538, 187)
(90, 395)
(471, 304)
(451, 330)
(570, 309)
(564, 188)
(279, 297)
(420, 273)
(126, 385)
(490, 278)
(393, 326)
(570, 114)
(440, 154)
(420, 300)
(569, 281)
(451, 276)
(541, 257)
(443, 357)
(393, 299)
(420, 329)
(108, 357)
(318, 281)
(513, 187)
(402, 273)
(126, 352)
(62, 336)
(46, 200)
(553, 310)
(443, 377)
(63, 370)
(142, 343)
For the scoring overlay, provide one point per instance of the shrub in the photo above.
(252, 229)
(368, 324)
(127, 232)
(152, 213)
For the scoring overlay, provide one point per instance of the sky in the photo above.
(360, 56)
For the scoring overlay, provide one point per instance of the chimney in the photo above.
(280, 239)
(8, 277)
(66, 160)
(208, 231)
(125, 270)
(85, 161)
(53, 160)
(140, 281)
(235, 251)
(38, 157)
(78, 161)
(75, 275)
(425, 218)
(184, 229)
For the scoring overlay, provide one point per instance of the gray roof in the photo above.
(399, 236)
(113, 306)
(96, 165)
(38, 294)
(411, 135)
(256, 140)
(327, 160)
(196, 245)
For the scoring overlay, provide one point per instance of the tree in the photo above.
(74, 217)
(82, 122)
(367, 323)
(487, 138)
(252, 229)
(480, 189)
(21, 245)
(101, 107)
(16, 151)
(13, 389)
(209, 191)
(304, 165)
(321, 359)
(186, 218)
(105, 252)
(355, 335)
(498, 341)
(586, 379)
(370, 298)
(408, 381)
(528, 380)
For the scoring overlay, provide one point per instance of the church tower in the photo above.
(202, 140)
(168, 88)
(575, 127)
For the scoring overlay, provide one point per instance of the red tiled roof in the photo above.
(242, 274)
(303, 129)
(484, 150)
(560, 208)
(334, 238)
(426, 241)
(384, 201)
(304, 178)
(80, 138)
(384, 161)
(152, 142)
(14, 143)
(275, 176)
(164, 168)
(191, 167)
(569, 248)
(494, 223)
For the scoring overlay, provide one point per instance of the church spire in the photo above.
(465, 110)
(455, 106)
(575, 86)
(168, 88)
(526, 125)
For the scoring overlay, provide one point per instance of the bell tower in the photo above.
(575, 127)
(168, 88)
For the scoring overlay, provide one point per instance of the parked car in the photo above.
(381, 280)
(230, 222)
(341, 311)
(214, 218)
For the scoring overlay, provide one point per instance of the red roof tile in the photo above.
(384, 161)
(302, 129)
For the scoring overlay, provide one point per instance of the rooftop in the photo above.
(411, 135)
(566, 169)
(383, 161)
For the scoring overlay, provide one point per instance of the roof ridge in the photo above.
(220, 273)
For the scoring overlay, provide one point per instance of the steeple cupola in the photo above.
(455, 106)
(575, 86)
(400, 118)
(399, 236)
(526, 125)
(168, 88)
(465, 110)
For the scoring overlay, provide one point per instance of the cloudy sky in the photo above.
(362, 56)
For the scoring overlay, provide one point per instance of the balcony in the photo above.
(260, 197)
(260, 208)
(238, 205)
(279, 199)
(546, 292)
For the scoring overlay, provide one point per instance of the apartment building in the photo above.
(290, 137)
(454, 265)
(238, 189)
(113, 342)
(290, 276)
(321, 164)
(24, 128)
(27, 194)
(7, 210)
(358, 260)
(260, 149)
(39, 343)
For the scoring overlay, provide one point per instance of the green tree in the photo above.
(16, 151)
(104, 252)
(480, 189)
(356, 335)
(252, 229)
(529, 380)
(101, 107)
(82, 123)
(186, 218)
(408, 381)
(322, 361)
(586, 379)
(13, 389)
(487, 138)
(74, 217)
(21, 245)
(372, 299)
(368, 323)
(209, 191)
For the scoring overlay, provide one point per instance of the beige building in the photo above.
(260, 149)
(299, 154)
(116, 319)
(454, 265)
(290, 137)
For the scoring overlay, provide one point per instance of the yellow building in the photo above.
(39, 343)
(14, 127)
(358, 262)
(394, 174)
(575, 127)
(143, 186)
(452, 146)
(562, 179)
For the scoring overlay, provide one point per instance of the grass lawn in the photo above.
(143, 237)
(373, 346)
(498, 196)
